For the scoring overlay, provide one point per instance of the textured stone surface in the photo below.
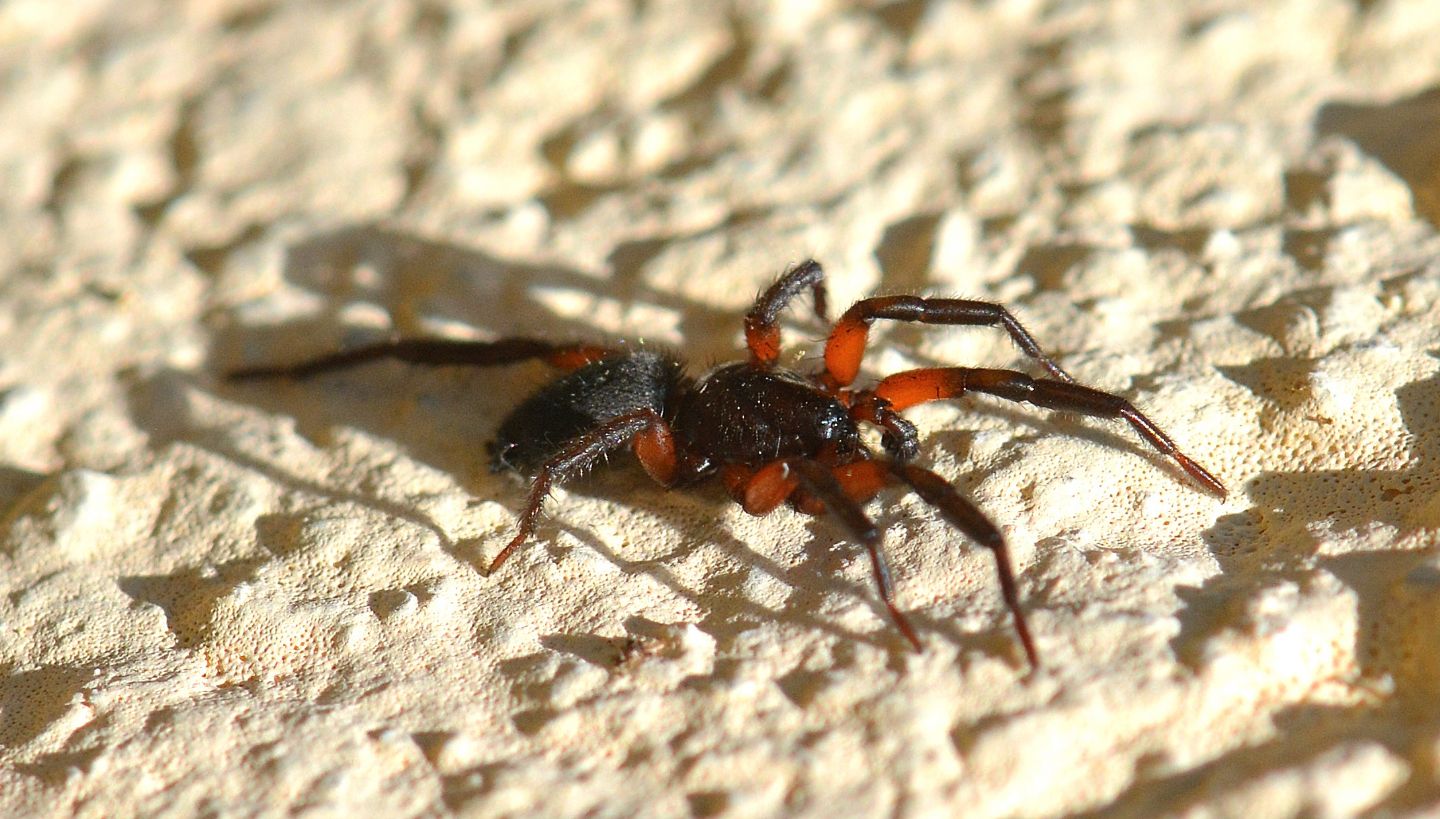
(229, 601)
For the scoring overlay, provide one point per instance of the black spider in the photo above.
(771, 435)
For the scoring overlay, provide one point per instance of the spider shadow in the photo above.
(1280, 538)
(814, 579)
(417, 282)
(1400, 134)
(728, 611)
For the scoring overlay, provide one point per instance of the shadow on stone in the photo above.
(1404, 135)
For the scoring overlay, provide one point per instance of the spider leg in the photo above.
(900, 438)
(917, 386)
(760, 491)
(435, 352)
(846, 345)
(762, 334)
(644, 429)
(818, 479)
(863, 480)
(963, 515)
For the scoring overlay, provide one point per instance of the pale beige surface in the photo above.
(223, 601)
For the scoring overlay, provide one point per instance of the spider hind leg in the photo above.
(434, 352)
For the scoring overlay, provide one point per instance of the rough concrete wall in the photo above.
(228, 601)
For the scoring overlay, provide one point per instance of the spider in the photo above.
(770, 434)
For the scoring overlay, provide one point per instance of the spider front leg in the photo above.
(820, 481)
(645, 430)
(846, 345)
(436, 352)
(862, 480)
(900, 438)
(963, 515)
(842, 490)
(933, 384)
(759, 491)
(762, 333)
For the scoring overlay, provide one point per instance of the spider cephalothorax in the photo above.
(772, 435)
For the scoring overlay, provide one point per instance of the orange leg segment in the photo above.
(576, 356)
(654, 447)
(862, 480)
(759, 491)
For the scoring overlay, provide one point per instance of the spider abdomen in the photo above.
(579, 402)
(739, 414)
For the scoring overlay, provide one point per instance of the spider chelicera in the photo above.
(769, 433)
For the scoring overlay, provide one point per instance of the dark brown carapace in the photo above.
(770, 434)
